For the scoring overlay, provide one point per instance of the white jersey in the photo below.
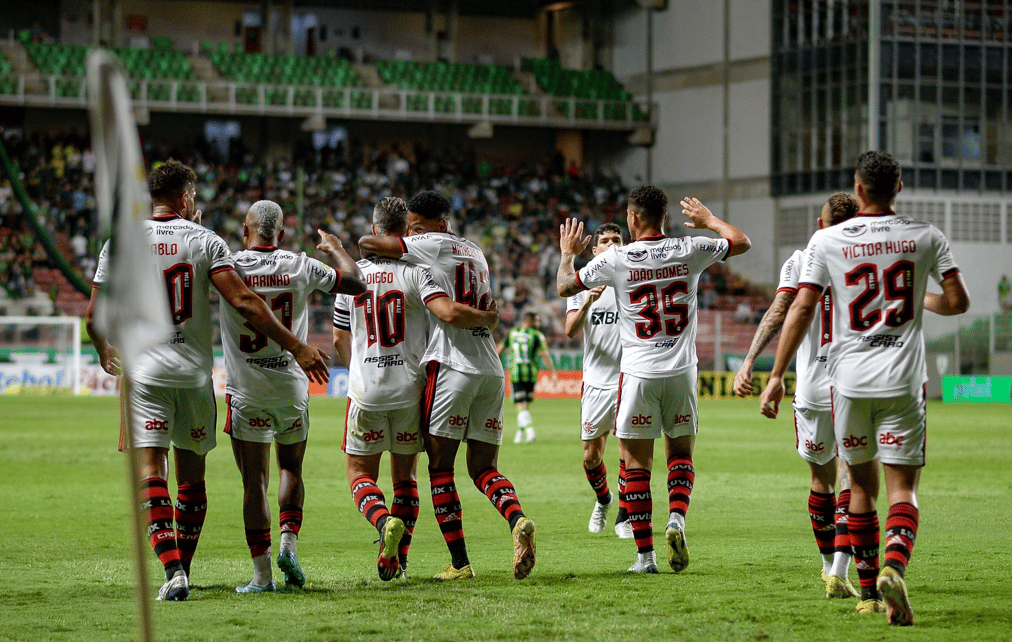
(387, 324)
(260, 372)
(602, 346)
(459, 267)
(813, 353)
(655, 286)
(186, 254)
(878, 267)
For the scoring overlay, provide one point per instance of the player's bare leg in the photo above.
(442, 452)
(681, 477)
(403, 474)
(901, 531)
(253, 460)
(597, 476)
(363, 470)
(482, 461)
(291, 498)
(157, 512)
(639, 458)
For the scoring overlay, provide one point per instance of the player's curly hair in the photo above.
(268, 218)
(880, 174)
(429, 205)
(169, 181)
(651, 200)
(390, 215)
(606, 227)
(842, 206)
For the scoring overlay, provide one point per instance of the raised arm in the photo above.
(571, 242)
(463, 316)
(389, 246)
(701, 218)
(953, 300)
(771, 323)
(799, 317)
(252, 308)
(351, 280)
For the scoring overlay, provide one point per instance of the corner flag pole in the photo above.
(131, 311)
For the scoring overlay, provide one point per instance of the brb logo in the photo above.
(156, 424)
(493, 424)
(814, 447)
(855, 442)
(372, 435)
(642, 420)
(407, 437)
(457, 420)
(257, 422)
(198, 433)
(890, 439)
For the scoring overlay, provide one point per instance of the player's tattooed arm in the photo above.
(771, 323)
(799, 318)
(575, 318)
(107, 355)
(571, 242)
(352, 282)
(700, 218)
(389, 246)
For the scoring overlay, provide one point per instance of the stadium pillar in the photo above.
(650, 88)
(874, 65)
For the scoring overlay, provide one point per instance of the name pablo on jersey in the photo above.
(667, 272)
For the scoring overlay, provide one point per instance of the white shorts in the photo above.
(597, 412)
(813, 434)
(182, 417)
(459, 405)
(648, 408)
(370, 432)
(894, 429)
(286, 425)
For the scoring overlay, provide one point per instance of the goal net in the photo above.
(40, 355)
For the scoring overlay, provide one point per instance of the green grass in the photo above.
(66, 569)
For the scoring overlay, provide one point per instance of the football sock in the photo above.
(639, 503)
(405, 506)
(822, 512)
(623, 513)
(191, 510)
(156, 511)
(524, 418)
(370, 501)
(446, 504)
(500, 492)
(598, 478)
(864, 537)
(259, 542)
(262, 573)
(901, 531)
(681, 476)
(841, 541)
(290, 518)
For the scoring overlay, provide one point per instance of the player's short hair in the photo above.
(268, 218)
(429, 205)
(606, 227)
(842, 206)
(390, 215)
(651, 201)
(880, 174)
(530, 315)
(169, 180)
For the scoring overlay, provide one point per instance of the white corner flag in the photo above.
(131, 311)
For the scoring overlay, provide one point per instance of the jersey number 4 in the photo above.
(675, 315)
(257, 341)
(384, 316)
(898, 281)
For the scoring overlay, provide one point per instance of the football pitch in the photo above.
(66, 569)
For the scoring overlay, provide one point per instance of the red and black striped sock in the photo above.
(864, 538)
(405, 506)
(681, 477)
(290, 519)
(191, 511)
(821, 510)
(370, 501)
(623, 511)
(500, 492)
(901, 531)
(841, 541)
(259, 541)
(598, 478)
(640, 504)
(156, 511)
(446, 504)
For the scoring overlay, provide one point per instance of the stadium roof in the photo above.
(515, 8)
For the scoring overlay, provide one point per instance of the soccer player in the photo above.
(464, 384)
(526, 344)
(171, 399)
(655, 279)
(267, 393)
(813, 417)
(381, 335)
(878, 267)
(596, 313)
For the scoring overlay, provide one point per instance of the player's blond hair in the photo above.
(267, 218)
